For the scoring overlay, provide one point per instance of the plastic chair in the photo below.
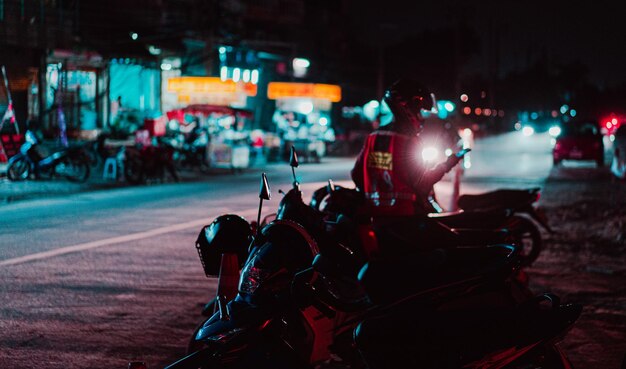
(110, 168)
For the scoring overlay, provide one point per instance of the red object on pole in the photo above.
(228, 277)
(10, 145)
(456, 188)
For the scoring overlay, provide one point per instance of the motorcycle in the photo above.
(295, 289)
(511, 211)
(191, 153)
(70, 163)
(507, 215)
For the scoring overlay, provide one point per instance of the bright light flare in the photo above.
(528, 131)
(430, 153)
(554, 131)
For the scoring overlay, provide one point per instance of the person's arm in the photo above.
(423, 179)
(357, 170)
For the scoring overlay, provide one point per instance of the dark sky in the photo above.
(592, 32)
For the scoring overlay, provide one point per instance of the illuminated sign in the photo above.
(279, 90)
(209, 85)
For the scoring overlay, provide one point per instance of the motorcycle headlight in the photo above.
(430, 153)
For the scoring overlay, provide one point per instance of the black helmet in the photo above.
(228, 234)
(408, 100)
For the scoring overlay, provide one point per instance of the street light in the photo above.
(300, 66)
(301, 63)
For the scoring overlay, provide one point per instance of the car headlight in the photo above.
(430, 153)
(554, 131)
(528, 131)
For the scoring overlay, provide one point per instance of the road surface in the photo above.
(98, 279)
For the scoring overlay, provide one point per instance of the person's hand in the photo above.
(452, 161)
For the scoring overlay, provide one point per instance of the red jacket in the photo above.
(391, 173)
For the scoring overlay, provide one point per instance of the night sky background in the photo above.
(521, 32)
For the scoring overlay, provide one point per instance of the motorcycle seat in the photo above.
(506, 198)
(412, 276)
(482, 218)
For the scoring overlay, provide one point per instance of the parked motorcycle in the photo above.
(191, 153)
(70, 163)
(290, 295)
(299, 300)
(508, 216)
(512, 210)
(148, 163)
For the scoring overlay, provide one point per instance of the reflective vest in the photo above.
(386, 192)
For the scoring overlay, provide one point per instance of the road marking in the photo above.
(115, 240)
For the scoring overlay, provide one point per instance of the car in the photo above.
(618, 165)
(579, 140)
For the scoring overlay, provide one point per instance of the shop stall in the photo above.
(303, 116)
(226, 130)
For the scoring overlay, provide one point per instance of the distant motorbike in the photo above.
(148, 163)
(191, 153)
(71, 163)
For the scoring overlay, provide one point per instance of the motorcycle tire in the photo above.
(133, 172)
(19, 170)
(76, 170)
(527, 237)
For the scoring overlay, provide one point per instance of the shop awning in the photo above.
(280, 90)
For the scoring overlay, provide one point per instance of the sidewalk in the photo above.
(14, 191)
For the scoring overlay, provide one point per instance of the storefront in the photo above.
(74, 90)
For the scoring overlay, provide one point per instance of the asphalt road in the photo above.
(97, 279)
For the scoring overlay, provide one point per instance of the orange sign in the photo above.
(208, 85)
(278, 90)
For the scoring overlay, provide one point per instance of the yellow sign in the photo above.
(208, 85)
(278, 90)
(380, 160)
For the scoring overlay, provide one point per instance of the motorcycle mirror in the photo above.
(293, 162)
(331, 186)
(293, 158)
(264, 194)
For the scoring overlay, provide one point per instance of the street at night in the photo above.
(95, 279)
(312, 184)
